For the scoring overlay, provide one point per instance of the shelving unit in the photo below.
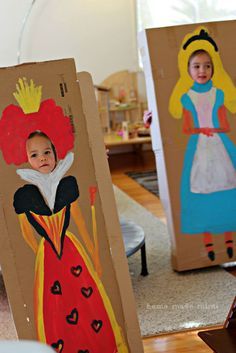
(102, 96)
(118, 102)
(131, 113)
(112, 140)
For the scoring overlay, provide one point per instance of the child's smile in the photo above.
(201, 68)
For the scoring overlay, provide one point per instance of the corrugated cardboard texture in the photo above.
(90, 167)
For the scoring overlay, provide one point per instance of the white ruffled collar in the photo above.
(47, 183)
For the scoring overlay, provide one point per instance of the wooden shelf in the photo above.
(112, 140)
(124, 107)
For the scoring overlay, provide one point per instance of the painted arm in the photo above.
(80, 223)
(93, 191)
(208, 131)
(224, 125)
(188, 128)
(27, 232)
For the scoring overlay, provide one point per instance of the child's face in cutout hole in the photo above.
(40, 154)
(201, 67)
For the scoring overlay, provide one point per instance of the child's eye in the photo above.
(33, 155)
(47, 152)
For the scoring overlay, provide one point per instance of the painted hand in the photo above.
(208, 131)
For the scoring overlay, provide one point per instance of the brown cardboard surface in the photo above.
(160, 48)
(90, 167)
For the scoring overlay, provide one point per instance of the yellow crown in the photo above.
(28, 96)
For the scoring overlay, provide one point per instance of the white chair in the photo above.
(24, 346)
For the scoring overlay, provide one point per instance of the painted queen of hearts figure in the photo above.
(73, 313)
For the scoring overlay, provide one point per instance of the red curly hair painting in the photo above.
(17, 124)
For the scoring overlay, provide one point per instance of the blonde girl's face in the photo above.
(201, 68)
(40, 154)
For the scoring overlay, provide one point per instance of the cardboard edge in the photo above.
(36, 62)
(157, 140)
(110, 214)
(20, 315)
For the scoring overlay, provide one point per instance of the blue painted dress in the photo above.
(208, 184)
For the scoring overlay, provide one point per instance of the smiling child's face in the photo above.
(40, 154)
(201, 68)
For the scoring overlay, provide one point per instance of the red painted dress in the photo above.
(72, 310)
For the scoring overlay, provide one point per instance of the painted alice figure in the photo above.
(73, 313)
(208, 184)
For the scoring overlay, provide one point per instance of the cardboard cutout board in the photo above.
(61, 248)
(193, 135)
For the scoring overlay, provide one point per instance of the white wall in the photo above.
(99, 34)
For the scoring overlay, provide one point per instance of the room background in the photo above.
(100, 35)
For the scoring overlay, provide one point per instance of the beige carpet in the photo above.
(167, 300)
(7, 327)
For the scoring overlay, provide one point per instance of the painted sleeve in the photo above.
(28, 198)
(23, 199)
(67, 193)
(186, 102)
(219, 98)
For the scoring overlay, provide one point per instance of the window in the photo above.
(161, 13)
(154, 13)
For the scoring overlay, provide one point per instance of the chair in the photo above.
(134, 239)
(222, 340)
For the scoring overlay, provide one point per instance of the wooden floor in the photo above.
(121, 163)
(184, 342)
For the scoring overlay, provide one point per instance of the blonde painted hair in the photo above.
(220, 78)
